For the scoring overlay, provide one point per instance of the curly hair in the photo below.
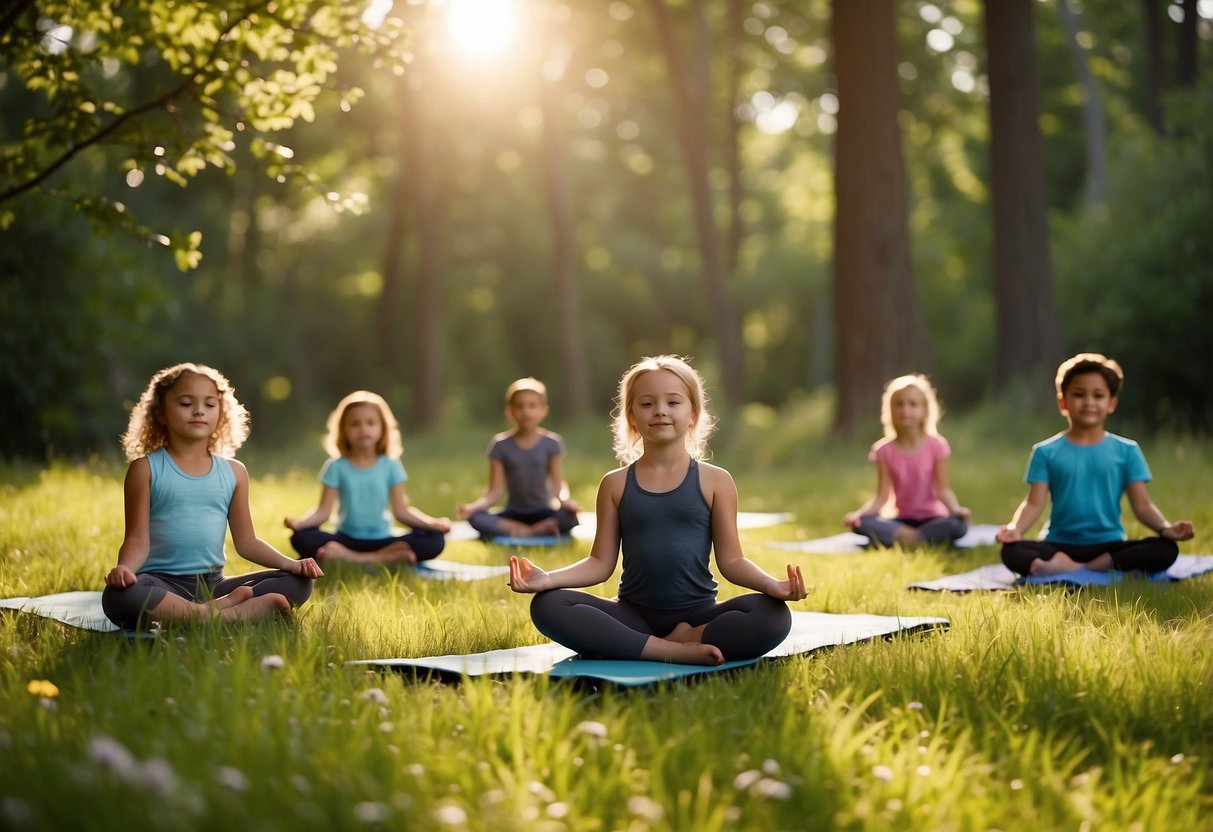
(930, 424)
(335, 442)
(627, 442)
(146, 430)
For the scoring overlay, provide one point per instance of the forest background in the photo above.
(431, 199)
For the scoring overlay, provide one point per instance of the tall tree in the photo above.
(571, 344)
(1152, 16)
(1027, 323)
(1187, 67)
(1094, 131)
(691, 94)
(880, 329)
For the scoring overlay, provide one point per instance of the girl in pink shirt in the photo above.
(913, 503)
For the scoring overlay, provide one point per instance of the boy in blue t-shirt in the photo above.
(1085, 470)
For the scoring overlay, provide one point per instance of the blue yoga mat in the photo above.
(449, 570)
(810, 631)
(996, 577)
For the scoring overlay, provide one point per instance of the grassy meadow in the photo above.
(1039, 709)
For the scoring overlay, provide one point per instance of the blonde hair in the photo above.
(627, 442)
(335, 442)
(930, 424)
(531, 384)
(146, 431)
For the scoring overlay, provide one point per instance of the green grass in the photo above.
(1038, 709)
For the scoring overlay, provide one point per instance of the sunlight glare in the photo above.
(482, 27)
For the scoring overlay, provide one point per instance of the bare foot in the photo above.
(397, 552)
(685, 633)
(1059, 564)
(237, 596)
(515, 528)
(547, 526)
(259, 607)
(693, 652)
(335, 551)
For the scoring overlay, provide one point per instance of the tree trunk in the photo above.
(1028, 337)
(690, 107)
(880, 330)
(389, 314)
(1152, 15)
(1187, 66)
(1092, 112)
(574, 366)
(734, 37)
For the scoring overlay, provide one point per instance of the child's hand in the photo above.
(571, 505)
(290, 524)
(527, 577)
(1008, 534)
(793, 589)
(963, 513)
(851, 519)
(120, 577)
(308, 568)
(1181, 530)
(464, 510)
(442, 524)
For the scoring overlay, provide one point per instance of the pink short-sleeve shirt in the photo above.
(913, 476)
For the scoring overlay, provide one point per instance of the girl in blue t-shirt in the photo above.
(365, 476)
(182, 493)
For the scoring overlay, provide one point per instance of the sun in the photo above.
(482, 28)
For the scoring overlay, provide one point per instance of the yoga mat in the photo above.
(76, 609)
(848, 543)
(998, 577)
(449, 570)
(810, 631)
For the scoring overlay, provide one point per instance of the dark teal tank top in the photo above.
(667, 539)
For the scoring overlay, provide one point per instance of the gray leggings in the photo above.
(745, 627)
(882, 530)
(129, 608)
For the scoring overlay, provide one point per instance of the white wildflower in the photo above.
(883, 773)
(771, 789)
(232, 778)
(558, 810)
(370, 811)
(592, 728)
(541, 791)
(111, 754)
(746, 779)
(645, 807)
(273, 662)
(375, 695)
(449, 814)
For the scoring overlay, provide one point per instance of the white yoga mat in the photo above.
(849, 543)
(996, 577)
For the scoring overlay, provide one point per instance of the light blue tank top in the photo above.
(188, 521)
(667, 538)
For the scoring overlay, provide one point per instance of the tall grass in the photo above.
(1037, 709)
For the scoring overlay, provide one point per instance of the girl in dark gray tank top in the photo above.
(667, 608)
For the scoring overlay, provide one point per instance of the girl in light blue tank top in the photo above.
(668, 509)
(182, 494)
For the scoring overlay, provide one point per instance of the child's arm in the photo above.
(721, 493)
(560, 488)
(884, 487)
(491, 495)
(1026, 515)
(137, 506)
(945, 493)
(604, 552)
(1152, 517)
(244, 536)
(319, 515)
(404, 511)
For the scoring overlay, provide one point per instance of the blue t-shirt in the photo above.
(363, 493)
(1085, 485)
(187, 523)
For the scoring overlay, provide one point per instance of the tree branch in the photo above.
(10, 18)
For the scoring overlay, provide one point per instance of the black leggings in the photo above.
(1151, 554)
(425, 544)
(745, 627)
(489, 524)
(129, 608)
